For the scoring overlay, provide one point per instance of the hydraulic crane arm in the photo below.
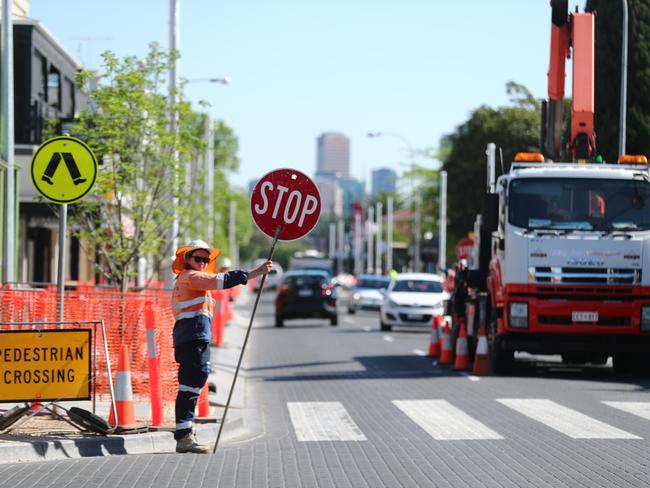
(571, 33)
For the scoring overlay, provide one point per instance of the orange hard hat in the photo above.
(184, 251)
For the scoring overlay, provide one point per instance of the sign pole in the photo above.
(60, 272)
(248, 331)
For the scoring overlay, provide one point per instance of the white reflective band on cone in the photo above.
(123, 391)
(151, 344)
(461, 346)
(482, 347)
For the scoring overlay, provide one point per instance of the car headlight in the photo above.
(518, 316)
(356, 296)
(392, 304)
(645, 318)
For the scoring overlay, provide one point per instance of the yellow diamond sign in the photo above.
(64, 169)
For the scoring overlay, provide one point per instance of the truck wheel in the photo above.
(503, 360)
(629, 364)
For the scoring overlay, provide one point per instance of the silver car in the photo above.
(412, 299)
(367, 293)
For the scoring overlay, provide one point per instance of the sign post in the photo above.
(63, 186)
(285, 205)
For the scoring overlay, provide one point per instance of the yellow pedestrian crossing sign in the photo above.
(64, 169)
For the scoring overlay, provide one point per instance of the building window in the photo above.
(54, 88)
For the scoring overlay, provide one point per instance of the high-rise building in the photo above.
(384, 180)
(353, 191)
(333, 155)
(331, 196)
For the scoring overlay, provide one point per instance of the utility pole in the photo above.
(378, 268)
(389, 234)
(369, 231)
(332, 241)
(623, 108)
(174, 22)
(417, 231)
(442, 222)
(358, 264)
(7, 135)
(341, 246)
(209, 175)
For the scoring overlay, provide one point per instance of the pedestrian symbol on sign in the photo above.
(70, 163)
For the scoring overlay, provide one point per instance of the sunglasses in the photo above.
(200, 259)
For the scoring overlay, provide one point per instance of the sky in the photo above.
(411, 69)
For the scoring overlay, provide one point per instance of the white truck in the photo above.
(311, 259)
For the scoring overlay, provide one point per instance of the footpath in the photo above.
(44, 437)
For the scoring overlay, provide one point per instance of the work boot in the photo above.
(188, 443)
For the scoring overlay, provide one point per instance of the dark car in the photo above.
(305, 294)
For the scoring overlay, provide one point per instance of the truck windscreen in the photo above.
(579, 204)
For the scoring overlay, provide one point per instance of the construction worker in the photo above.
(193, 307)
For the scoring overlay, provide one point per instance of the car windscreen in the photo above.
(579, 203)
(304, 280)
(372, 284)
(418, 286)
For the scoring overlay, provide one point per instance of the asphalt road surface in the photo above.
(351, 406)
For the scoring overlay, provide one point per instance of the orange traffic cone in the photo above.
(434, 345)
(446, 354)
(462, 353)
(204, 402)
(123, 393)
(482, 364)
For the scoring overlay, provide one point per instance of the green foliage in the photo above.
(511, 128)
(608, 76)
(128, 127)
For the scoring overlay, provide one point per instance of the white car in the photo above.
(412, 299)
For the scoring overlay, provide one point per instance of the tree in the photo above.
(608, 76)
(128, 128)
(511, 128)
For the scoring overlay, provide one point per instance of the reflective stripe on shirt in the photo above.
(194, 301)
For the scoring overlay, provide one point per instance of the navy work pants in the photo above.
(193, 359)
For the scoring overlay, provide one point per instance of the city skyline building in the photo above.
(384, 180)
(331, 195)
(353, 191)
(333, 155)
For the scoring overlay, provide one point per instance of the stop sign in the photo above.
(464, 248)
(286, 198)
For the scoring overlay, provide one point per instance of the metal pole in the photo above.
(389, 234)
(248, 332)
(623, 108)
(232, 224)
(417, 231)
(174, 21)
(442, 222)
(332, 241)
(491, 161)
(378, 241)
(7, 118)
(209, 176)
(369, 225)
(341, 246)
(60, 272)
(358, 265)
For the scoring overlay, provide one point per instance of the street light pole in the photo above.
(417, 224)
(623, 108)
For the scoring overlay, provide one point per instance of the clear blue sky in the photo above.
(301, 67)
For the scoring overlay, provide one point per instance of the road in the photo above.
(351, 406)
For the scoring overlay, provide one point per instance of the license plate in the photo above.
(305, 293)
(414, 316)
(584, 316)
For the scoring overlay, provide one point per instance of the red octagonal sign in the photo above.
(286, 198)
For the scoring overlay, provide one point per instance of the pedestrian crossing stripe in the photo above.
(68, 182)
(330, 421)
(323, 421)
(444, 422)
(565, 420)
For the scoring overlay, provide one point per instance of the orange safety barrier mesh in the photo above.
(124, 322)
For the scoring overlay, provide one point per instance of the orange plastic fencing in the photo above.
(124, 320)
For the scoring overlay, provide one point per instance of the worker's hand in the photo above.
(261, 269)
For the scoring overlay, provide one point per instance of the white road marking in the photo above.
(419, 352)
(444, 422)
(565, 420)
(323, 421)
(348, 320)
(367, 328)
(641, 409)
(472, 377)
(388, 338)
